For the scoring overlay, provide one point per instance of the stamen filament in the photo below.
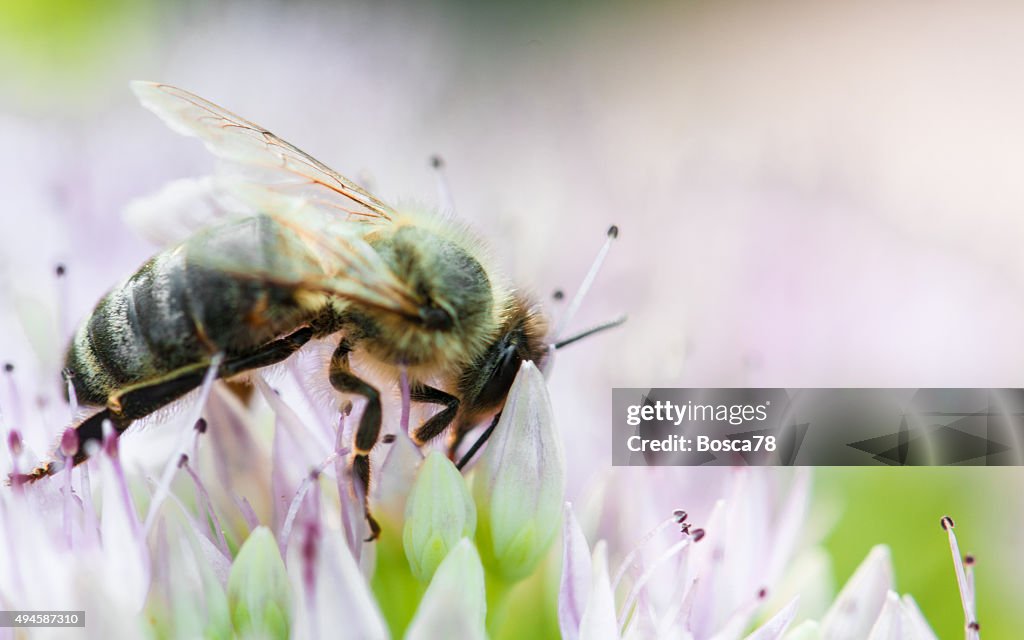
(300, 494)
(966, 598)
(628, 560)
(588, 281)
(207, 505)
(171, 468)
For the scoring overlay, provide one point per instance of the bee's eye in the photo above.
(502, 376)
(435, 318)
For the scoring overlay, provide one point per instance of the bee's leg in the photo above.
(138, 401)
(479, 442)
(344, 380)
(143, 399)
(437, 423)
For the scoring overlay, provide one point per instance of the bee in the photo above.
(295, 251)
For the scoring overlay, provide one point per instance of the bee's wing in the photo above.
(302, 247)
(282, 166)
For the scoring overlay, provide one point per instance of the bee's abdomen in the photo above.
(176, 311)
(139, 331)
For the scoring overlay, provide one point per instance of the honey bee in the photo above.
(297, 251)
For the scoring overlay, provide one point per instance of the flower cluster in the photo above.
(236, 541)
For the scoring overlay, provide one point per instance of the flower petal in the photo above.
(438, 514)
(575, 582)
(777, 625)
(599, 621)
(454, 605)
(858, 604)
(520, 481)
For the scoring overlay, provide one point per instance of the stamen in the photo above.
(110, 448)
(62, 301)
(969, 566)
(644, 578)
(444, 192)
(558, 295)
(17, 417)
(248, 513)
(72, 396)
(91, 525)
(164, 488)
(631, 556)
(588, 281)
(68, 448)
(300, 494)
(966, 592)
(206, 505)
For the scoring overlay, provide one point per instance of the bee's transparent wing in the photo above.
(180, 208)
(300, 246)
(263, 157)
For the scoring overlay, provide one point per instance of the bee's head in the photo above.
(486, 383)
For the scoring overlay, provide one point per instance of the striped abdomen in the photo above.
(184, 305)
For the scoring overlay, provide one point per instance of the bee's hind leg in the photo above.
(368, 432)
(143, 399)
(138, 401)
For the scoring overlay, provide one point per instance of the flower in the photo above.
(519, 482)
(258, 591)
(454, 605)
(438, 514)
(691, 584)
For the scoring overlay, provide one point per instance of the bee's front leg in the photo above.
(440, 421)
(344, 380)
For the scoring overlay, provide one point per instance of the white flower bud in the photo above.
(438, 513)
(259, 595)
(520, 481)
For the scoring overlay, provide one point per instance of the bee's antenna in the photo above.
(444, 192)
(613, 233)
(611, 324)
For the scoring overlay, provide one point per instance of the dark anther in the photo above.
(436, 161)
(974, 626)
(680, 516)
(762, 593)
(8, 367)
(697, 534)
(314, 474)
(685, 528)
(968, 559)
(613, 231)
(201, 425)
(183, 460)
(947, 523)
(61, 270)
(388, 439)
(558, 294)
